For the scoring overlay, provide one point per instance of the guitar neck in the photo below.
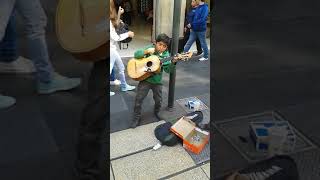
(166, 59)
(171, 58)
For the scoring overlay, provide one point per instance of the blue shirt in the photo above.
(199, 22)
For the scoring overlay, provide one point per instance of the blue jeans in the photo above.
(112, 75)
(35, 21)
(8, 45)
(115, 59)
(202, 38)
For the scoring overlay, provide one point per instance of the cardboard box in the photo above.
(260, 132)
(194, 139)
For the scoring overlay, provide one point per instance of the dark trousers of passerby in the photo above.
(142, 92)
(93, 127)
(127, 18)
(186, 38)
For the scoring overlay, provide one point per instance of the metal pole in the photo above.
(174, 49)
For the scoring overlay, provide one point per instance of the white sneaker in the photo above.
(112, 93)
(203, 59)
(21, 65)
(115, 82)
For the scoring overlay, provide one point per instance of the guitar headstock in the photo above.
(182, 56)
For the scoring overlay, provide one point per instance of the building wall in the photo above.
(164, 16)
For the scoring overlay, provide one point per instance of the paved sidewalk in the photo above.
(131, 153)
(132, 157)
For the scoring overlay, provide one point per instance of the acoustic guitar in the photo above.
(141, 69)
(82, 28)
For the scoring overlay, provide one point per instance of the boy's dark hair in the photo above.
(163, 38)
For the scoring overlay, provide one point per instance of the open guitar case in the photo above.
(168, 138)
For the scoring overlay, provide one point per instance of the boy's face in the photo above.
(161, 47)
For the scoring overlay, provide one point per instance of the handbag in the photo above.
(123, 28)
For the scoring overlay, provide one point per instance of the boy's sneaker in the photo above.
(21, 65)
(6, 101)
(112, 93)
(127, 87)
(58, 83)
(134, 123)
(115, 82)
(203, 59)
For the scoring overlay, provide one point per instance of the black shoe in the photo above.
(134, 123)
(199, 53)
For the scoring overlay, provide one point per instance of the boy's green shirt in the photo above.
(166, 66)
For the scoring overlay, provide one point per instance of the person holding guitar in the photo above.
(114, 55)
(153, 82)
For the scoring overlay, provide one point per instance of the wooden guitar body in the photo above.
(82, 28)
(141, 69)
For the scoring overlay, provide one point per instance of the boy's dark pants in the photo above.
(142, 92)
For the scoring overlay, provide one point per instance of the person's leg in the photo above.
(10, 61)
(118, 61)
(157, 96)
(203, 42)
(186, 37)
(6, 9)
(142, 92)
(93, 126)
(190, 41)
(113, 55)
(113, 79)
(35, 21)
(199, 49)
(112, 75)
(8, 44)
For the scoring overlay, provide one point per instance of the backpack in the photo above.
(165, 136)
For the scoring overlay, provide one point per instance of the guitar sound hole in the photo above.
(149, 64)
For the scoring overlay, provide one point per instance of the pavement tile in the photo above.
(193, 174)
(206, 168)
(152, 164)
(132, 140)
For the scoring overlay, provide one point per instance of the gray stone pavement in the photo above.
(131, 153)
(261, 66)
